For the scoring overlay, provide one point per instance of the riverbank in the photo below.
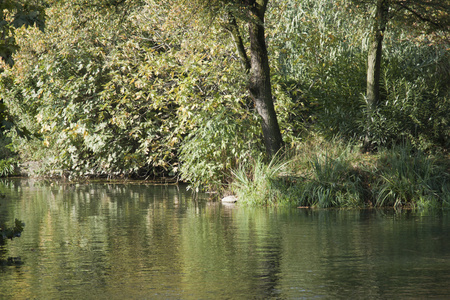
(320, 173)
(336, 174)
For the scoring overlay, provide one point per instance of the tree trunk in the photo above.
(259, 85)
(374, 55)
(374, 61)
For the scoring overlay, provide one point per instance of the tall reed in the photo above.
(257, 183)
(410, 177)
(330, 178)
(320, 173)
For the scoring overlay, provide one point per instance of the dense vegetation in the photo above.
(145, 89)
(335, 174)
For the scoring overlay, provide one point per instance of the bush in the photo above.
(218, 145)
(322, 47)
(415, 99)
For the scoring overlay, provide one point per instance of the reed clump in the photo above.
(320, 173)
(408, 176)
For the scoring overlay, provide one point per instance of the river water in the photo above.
(137, 241)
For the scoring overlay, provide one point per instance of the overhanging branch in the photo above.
(232, 27)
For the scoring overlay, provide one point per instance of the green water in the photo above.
(135, 241)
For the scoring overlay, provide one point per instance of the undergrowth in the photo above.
(333, 173)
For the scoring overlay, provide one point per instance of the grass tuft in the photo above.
(410, 177)
(321, 173)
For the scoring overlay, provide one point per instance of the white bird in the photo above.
(229, 199)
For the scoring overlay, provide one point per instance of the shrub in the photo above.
(218, 145)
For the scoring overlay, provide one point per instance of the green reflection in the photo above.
(132, 241)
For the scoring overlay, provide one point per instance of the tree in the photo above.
(374, 53)
(15, 14)
(257, 65)
(434, 13)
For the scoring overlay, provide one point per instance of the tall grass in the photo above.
(8, 159)
(258, 183)
(410, 177)
(8, 166)
(333, 173)
(329, 174)
(315, 174)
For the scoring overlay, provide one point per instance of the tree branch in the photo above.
(419, 16)
(232, 27)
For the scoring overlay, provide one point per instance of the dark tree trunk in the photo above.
(257, 66)
(374, 63)
(374, 55)
(259, 85)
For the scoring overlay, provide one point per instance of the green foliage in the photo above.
(219, 145)
(81, 92)
(409, 177)
(415, 101)
(318, 174)
(7, 166)
(8, 159)
(322, 46)
(335, 174)
(317, 45)
(330, 174)
(258, 183)
(117, 96)
(15, 14)
(292, 110)
(143, 89)
(332, 180)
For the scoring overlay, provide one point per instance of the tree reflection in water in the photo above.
(116, 240)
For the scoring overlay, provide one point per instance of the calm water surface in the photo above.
(135, 241)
